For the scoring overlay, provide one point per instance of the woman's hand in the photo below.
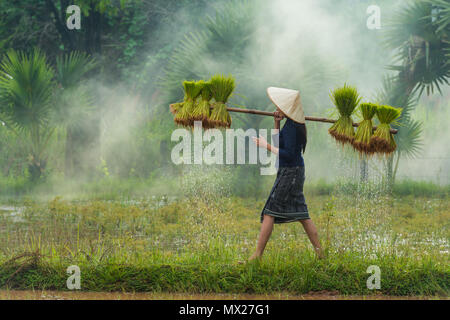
(260, 142)
(278, 115)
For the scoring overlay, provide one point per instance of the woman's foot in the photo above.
(320, 254)
(254, 257)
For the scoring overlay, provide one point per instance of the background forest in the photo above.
(100, 120)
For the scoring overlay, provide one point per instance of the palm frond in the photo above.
(70, 68)
(441, 14)
(422, 48)
(72, 100)
(26, 83)
(232, 27)
(201, 54)
(409, 139)
(186, 62)
(72, 106)
(394, 93)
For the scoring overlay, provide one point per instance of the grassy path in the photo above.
(64, 295)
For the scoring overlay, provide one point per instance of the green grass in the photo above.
(402, 188)
(295, 272)
(421, 189)
(194, 245)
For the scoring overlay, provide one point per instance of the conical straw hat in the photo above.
(288, 101)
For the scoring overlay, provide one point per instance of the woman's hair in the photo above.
(303, 135)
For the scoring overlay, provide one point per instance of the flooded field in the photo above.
(189, 246)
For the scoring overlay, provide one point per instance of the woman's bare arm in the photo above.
(262, 142)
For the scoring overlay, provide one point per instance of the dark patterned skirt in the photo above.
(286, 201)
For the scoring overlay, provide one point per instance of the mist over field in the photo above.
(90, 189)
(311, 46)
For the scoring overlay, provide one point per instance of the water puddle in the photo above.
(15, 213)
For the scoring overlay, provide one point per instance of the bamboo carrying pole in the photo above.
(272, 114)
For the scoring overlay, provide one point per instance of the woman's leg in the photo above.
(311, 231)
(264, 235)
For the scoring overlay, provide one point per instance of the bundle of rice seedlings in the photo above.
(382, 140)
(221, 88)
(346, 99)
(202, 110)
(191, 92)
(364, 132)
(175, 107)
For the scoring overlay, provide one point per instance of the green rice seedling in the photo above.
(175, 107)
(202, 110)
(382, 140)
(364, 132)
(184, 115)
(221, 88)
(346, 99)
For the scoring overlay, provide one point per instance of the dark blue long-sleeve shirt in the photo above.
(290, 146)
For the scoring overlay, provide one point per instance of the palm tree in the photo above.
(73, 101)
(419, 34)
(422, 43)
(26, 82)
(408, 138)
(35, 100)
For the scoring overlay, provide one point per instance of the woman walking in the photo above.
(286, 202)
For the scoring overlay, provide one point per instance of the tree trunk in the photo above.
(396, 167)
(36, 167)
(92, 43)
(67, 37)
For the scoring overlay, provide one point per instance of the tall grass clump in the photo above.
(346, 99)
(221, 88)
(383, 140)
